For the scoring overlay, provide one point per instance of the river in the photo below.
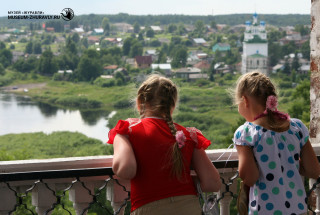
(18, 114)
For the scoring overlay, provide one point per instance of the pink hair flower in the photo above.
(272, 103)
(180, 138)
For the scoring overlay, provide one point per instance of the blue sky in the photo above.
(143, 7)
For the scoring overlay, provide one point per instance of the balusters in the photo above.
(81, 196)
(42, 197)
(227, 192)
(117, 194)
(7, 199)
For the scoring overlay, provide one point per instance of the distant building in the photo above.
(143, 61)
(200, 41)
(93, 39)
(65, 71)
(203, 65)
(109, 69)
(97, 31)
(277, 68)
(255, 47)
(156, 28)
(49, 29)
(78, 30)
(123, 27)
(152, 53)
(165, 67)
(186, 72)
(222, 47)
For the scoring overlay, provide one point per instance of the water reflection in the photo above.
(47, 110)
(19, 114)
(92, 117)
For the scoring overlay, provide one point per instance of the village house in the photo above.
(165, 67)
(97, 31)
(123, 27)
(69, 71)
(78, 30)
(93, 39)
(152, 53)
(203, 65)
(143, 62)
(221, 47)
(109, 69)
(200, 42)
(188, 73)
(156, 29)
(49, 29)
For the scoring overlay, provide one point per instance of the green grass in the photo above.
(57, 144)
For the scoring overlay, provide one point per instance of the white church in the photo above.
(255, 47)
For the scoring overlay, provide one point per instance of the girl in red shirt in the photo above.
(156, 154)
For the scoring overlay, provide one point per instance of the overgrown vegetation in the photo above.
(58, 144)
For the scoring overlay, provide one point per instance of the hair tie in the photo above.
(272, 104)
(180, 138)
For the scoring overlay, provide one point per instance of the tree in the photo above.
(287, 69)
(181, 29)
(136, 49)
(172, 28)
(305, 50)
(150, 33)
(140, 37)
(2, 45)
(84, 42)
(199, 28)
(179, 57)
(89, 67)
(289, 48)
(75, 37)
(295, 63)
(126, 46)
(71, 47)
(162, 57)
(302, 29)
(2, 70)
(5, 57)
(136, 27)
(47, 63)
(37, 48)
(274, 51)
(106, 25)
(29, 48)
(301, 106)
(213, 24)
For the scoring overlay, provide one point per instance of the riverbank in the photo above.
(23, 87)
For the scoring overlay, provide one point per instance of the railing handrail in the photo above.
(55, 174)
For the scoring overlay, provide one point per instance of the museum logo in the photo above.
(66, 14)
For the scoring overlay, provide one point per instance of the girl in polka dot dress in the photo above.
(273, 150)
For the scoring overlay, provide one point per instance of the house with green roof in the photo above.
(222, 47)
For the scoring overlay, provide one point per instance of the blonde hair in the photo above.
(258, 86)
(159, 95)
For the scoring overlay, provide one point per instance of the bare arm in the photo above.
(248, 169)
(208, 175)
(309, 164)
(124, 162)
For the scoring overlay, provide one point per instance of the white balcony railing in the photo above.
(48, 180)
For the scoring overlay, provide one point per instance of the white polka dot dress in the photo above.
(279, 189)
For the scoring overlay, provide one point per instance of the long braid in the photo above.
(159, 96)
(176, 156)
